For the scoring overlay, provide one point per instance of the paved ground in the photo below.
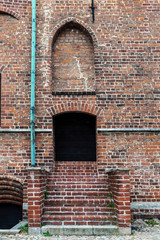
(147, 233)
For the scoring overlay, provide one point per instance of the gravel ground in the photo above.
(146, 233)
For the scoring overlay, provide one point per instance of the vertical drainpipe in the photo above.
(33, 83)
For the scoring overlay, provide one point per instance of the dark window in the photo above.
(75, 137)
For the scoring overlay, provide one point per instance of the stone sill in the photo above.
(145, 205)
(37, 169)
(9, 231)
(113, 170)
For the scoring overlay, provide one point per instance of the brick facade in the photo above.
(109, 68)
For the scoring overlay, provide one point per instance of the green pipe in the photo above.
(33, 83)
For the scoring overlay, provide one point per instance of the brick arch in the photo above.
(11, 190)
(75, 107)
(78, 22)
(13, 178)
(10, 12)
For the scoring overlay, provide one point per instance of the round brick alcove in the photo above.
(11, 198)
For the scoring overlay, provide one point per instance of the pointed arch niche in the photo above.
(73, 59)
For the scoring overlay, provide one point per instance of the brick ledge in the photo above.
(145, 205)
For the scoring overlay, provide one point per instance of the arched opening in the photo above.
(10, 215)
(75, 137)
(11, 198)
(73, 59)
(6, 10)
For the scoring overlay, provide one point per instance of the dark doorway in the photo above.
(10, 215)
(75, 137)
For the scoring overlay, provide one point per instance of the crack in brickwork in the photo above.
(73, 60)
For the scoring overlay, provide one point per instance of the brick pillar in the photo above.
(36, 190)
(119, 181)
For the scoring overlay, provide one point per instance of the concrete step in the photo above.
(81, 230)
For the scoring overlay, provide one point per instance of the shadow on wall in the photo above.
(11, 198)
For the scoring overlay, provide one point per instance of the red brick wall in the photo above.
(15, 23)
(126, 46)
(119, 182)
(15, 153)
(36, 193)
(138, 151)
